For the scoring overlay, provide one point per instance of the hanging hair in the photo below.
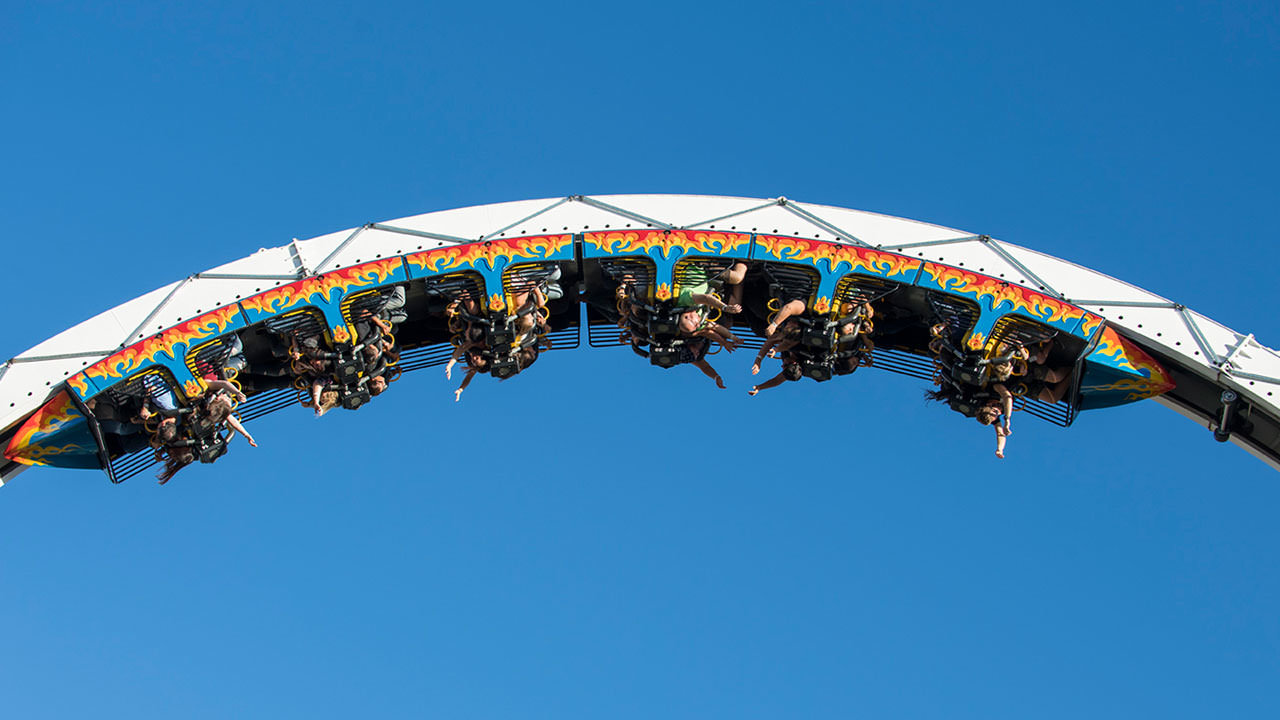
(174, 460)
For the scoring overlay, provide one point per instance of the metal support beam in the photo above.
(931, 243)
(64, 356)
(1200, 339)
(423, 234)
(1017, 265)
(801, 212)
(295, 254)
(240, 276)
(1125, 303)
(341, 246)
(731, 215)
(1235, 349)
(1238, 375)
(585, 200)
(129, 339)
(522, 220)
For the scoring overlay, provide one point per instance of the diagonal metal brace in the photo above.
(1200, 339)
(931, 243)
(732, 215)
(801, 212)
(341, 246)
(523, 220)
(422, 234)
(151, 315)
(619, 211)
(1017, 265)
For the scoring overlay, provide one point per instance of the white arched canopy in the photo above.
(1207, 358)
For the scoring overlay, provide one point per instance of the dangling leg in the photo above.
(792, 308)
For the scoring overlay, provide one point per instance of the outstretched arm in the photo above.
(710, 372)
(457, 394)
(721, 334)
(760, 356)
(316, 388)
(772, 382)
(234, 423)
(713, 301)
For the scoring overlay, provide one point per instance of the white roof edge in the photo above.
(1169, 323)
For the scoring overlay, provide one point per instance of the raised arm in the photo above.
(710, 372)
(772, 382)
(457, 394)
(233, 422)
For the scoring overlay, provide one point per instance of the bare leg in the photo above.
(1056, 375)
(1042, 353)
(795, 307)
(709, 371)
(1056, 392)
(733, 277)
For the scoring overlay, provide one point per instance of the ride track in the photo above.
(1126, 344)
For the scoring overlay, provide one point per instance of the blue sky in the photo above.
(604, 539)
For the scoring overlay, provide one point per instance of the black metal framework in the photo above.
(364, 305)
(210, 358)
(958, 315)
(152, 384)
(860, 289)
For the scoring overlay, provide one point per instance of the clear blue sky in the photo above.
(550, 548)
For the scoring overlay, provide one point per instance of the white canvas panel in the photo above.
(1085, 284)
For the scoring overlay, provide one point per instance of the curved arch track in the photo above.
(1121, 343)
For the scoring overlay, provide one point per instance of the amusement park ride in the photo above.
(327, 323)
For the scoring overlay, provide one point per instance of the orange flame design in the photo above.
(50, 418)
(447, 258)
(126, 361)
(35, 454)
(1089, 324)
(875, 262)
(451, 258)
(340, 334)
(977, 340)
(79, 383)
(1110, 346)
(822, 305)
(496, 302)
(539, 246)
(192, 388)
(288, 296)
(1038, 305)
(1138, 389)
(624, 242)
(663, 291)
(1128, 356)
